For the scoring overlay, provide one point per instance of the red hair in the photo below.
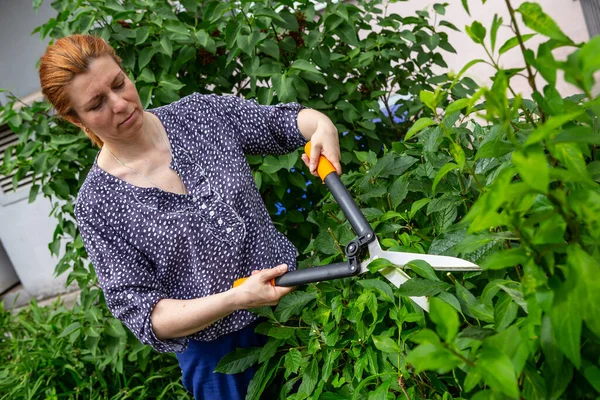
(62, 62)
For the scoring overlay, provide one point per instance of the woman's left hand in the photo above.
(324, 141)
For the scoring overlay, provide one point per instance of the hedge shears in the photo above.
(365, 248)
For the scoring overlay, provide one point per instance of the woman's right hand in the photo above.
(257, 290)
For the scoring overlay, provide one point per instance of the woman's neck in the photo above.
(145, 148)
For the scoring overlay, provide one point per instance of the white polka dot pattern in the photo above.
(146, 244)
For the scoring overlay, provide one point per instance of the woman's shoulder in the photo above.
(198, 102)
(95, 193)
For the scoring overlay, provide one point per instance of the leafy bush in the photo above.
(53, 352)
(507, 182)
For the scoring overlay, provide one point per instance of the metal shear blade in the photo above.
(400, 259)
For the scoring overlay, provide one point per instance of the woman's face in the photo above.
(106, 102)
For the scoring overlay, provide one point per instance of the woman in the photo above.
(169, 213)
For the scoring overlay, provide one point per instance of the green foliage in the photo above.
(481, 173)
(53, 352)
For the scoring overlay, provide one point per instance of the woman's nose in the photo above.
(119, 104)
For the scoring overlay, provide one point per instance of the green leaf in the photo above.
(270, 48)
(476, 32)
(505, 258)
(141, 34)
(494, 149)
(238, 360)
(456, 106)
(514, 41)
(202, 38)
(147, 76)
(269, 350)
(347, 32)
(532, 166)
(545, 131)
(268, 70)
(423, 269)
(451, 300)
(310, 377)
(398, 191)
(421, 287)
(430, 356)
(40, 162)
(166, 46)
(417, 205)
(464, 69)
(441, 173)
(170, 82)
(146, 96)
(428, 98)
(292, 361)
(145, 56)
(386, 344)
(535, 19)
(566, 324)
(445, 318)
(497, 371)
(61, 188)
(421, 124)
(534, 386)
(269, 13)
(262, 377)
(281, 332)
(60, 140)
(577, 134)
(283, 88)
(33, 192)
(379, 264)
(588, 282)
(505, 312)
(292, 304)
(496, 23)
(69, 329)
(592, 374)
(304, 65)
(382, 287)
(466, 6)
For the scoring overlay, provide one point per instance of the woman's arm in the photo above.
(318, 128)
(173, 318)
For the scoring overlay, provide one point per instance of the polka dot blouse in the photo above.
(147, 244)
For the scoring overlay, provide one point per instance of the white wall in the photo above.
(25, 231)
(567, 14)
(19, 50)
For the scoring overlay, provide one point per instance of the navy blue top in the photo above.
(147, 244)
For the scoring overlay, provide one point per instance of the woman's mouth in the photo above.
(128, 120)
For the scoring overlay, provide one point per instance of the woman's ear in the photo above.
(72, 118)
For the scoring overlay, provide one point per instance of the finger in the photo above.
(334, 159)
(307, 163)
(306, 160)
(256, 271)
(269, 274)
(338, 168)
(315, 154)
(282, 291)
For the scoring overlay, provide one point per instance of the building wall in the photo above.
(568, 15)
(19, 49)
(25, 229)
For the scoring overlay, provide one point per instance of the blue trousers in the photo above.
(200, 359)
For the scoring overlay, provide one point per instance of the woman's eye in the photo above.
(120, 85)
(97, 106)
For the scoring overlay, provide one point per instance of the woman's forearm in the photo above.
(173, 318)
(309, 120)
